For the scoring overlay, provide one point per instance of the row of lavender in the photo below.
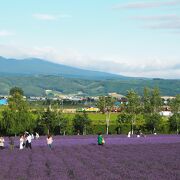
(127, 161)
(110, 139)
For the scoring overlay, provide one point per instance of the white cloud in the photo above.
(64, 16)
(165, 17)
(5, 33)
(164, 22)
(149, 67)
(12, 51)
(168, 25)
(146, 5)
(47, 17)
(50, 17)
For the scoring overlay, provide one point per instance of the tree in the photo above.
(133, 106)
(175, 119)
(105, 104)
(156, 101)
(147, 107)
(140, 122)
(152, 122)
(152, 101)
(16, 90)
(49, 120)
(101, 103)
(16, 117)
(81, 123)
(123, 120)
(62, 122)
(175, 104)
(174, 122)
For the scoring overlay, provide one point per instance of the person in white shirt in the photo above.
(32, 136)
(1, 142)
(21, 140)
(129, 134)
(37, 135)
(49, 141)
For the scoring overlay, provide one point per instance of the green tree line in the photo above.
(139, 113)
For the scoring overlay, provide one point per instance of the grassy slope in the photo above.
(36, 85)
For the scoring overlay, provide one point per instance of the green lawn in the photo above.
(97, 118)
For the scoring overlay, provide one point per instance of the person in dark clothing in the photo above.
(28, 141)
(11, 143)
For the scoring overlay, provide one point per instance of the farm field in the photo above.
(95, 117)
(80, 158)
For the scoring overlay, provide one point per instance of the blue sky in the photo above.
(128, 37)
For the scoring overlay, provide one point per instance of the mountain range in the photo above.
(35, 66)
(35, 76)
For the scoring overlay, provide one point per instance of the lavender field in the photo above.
(80, 158)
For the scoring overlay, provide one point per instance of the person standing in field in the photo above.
(22, 142)
(129, 134)
(11, 142)
(28, 141)
(49, 141)
(100, 139)
(1, 142)
(37, 135)
(32, 136)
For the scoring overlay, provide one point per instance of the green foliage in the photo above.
(153, 122)
(134, 103)
(140, 123)
(16, 90)
(156, 101)
(147, 107)
(49, 120)
(139, 113)
(16, 117)
(175, 104)
(34, 85)
(124, 122)
(152, 101)
(81, 123)
(62, 122)
(174, 122)
(133, 107)
(105, 103)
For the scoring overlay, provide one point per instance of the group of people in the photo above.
(25, 141)
(138, 134)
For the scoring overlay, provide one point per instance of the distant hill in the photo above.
(34, 66)
(35, 76)
(35, 85)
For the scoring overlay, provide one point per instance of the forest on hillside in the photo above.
(35, 85)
